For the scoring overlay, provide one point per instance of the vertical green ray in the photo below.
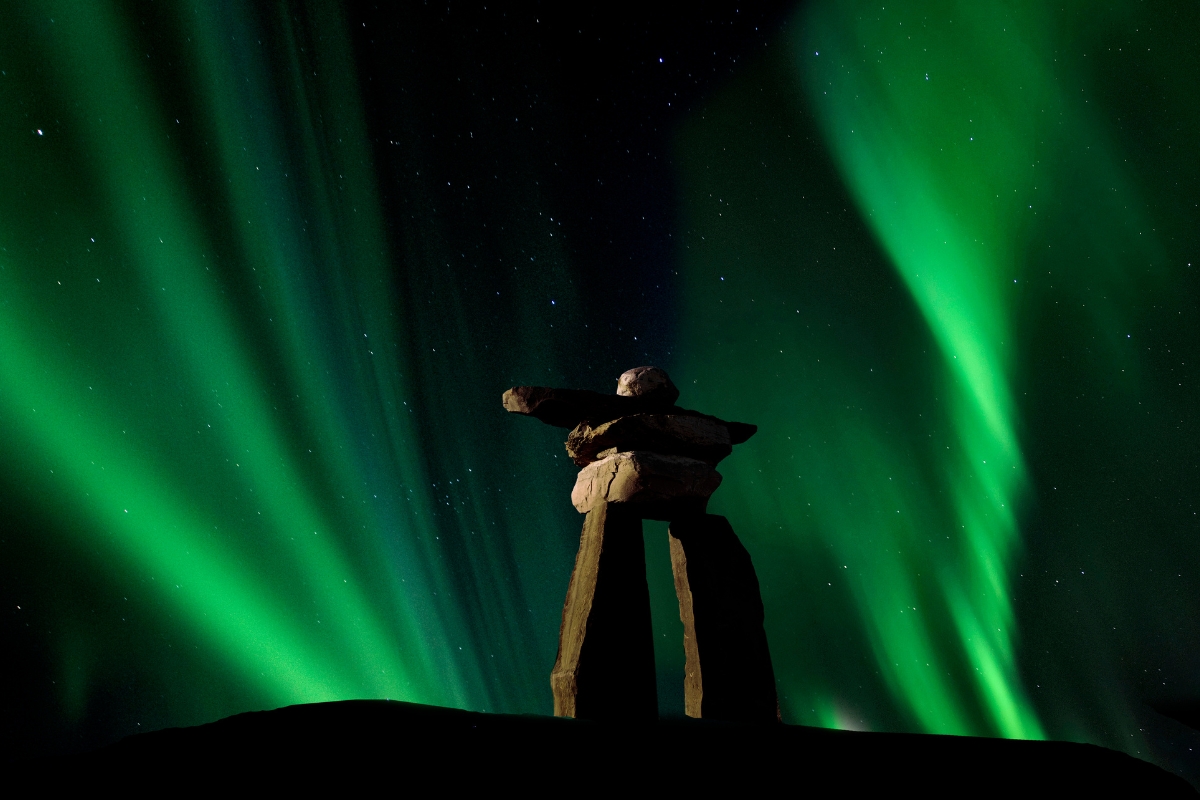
(159, 229)
(281, 579)
(150, 527)
(196, 242)
(306, 189)
(935, 115)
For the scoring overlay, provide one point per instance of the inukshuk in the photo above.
(643, 457)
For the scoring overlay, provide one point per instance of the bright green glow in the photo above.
(890, 307)
(158, 277)
(179, 453)
(935, 118)
(221, 334)
(153, 530)
(939, 134)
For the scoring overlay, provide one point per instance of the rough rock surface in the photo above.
(605, 664)
(566, 408)
(727, 673)
(643, 457)
(661, 486)
(702, 438)
(647, 382)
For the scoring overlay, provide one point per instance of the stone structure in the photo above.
(643, 457)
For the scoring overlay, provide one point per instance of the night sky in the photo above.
(264, 274)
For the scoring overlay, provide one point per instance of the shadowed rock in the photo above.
(728, 673)
(702, 438)
(605, 664)
(566, 408)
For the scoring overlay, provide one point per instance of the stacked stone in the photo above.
(643, 457)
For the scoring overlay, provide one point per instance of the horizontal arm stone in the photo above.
(566, 408)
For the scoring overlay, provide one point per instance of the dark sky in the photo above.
(565, 110)
(265, 272)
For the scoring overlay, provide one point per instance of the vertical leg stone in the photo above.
(605, 665)
(728, 673)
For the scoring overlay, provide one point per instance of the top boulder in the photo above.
(649, 383)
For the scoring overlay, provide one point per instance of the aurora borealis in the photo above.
(264, 274)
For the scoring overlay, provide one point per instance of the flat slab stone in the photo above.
(566, 408)
(661, 486)
(702, 438)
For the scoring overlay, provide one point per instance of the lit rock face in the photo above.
(647, 382)
(662, 486)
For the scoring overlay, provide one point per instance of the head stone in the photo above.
(650, 383)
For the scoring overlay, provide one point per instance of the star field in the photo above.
(264, 274)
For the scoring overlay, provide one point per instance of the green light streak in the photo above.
(238, 574)
(151, 530)
(909, 479)
(938, 136)
(222, 332)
